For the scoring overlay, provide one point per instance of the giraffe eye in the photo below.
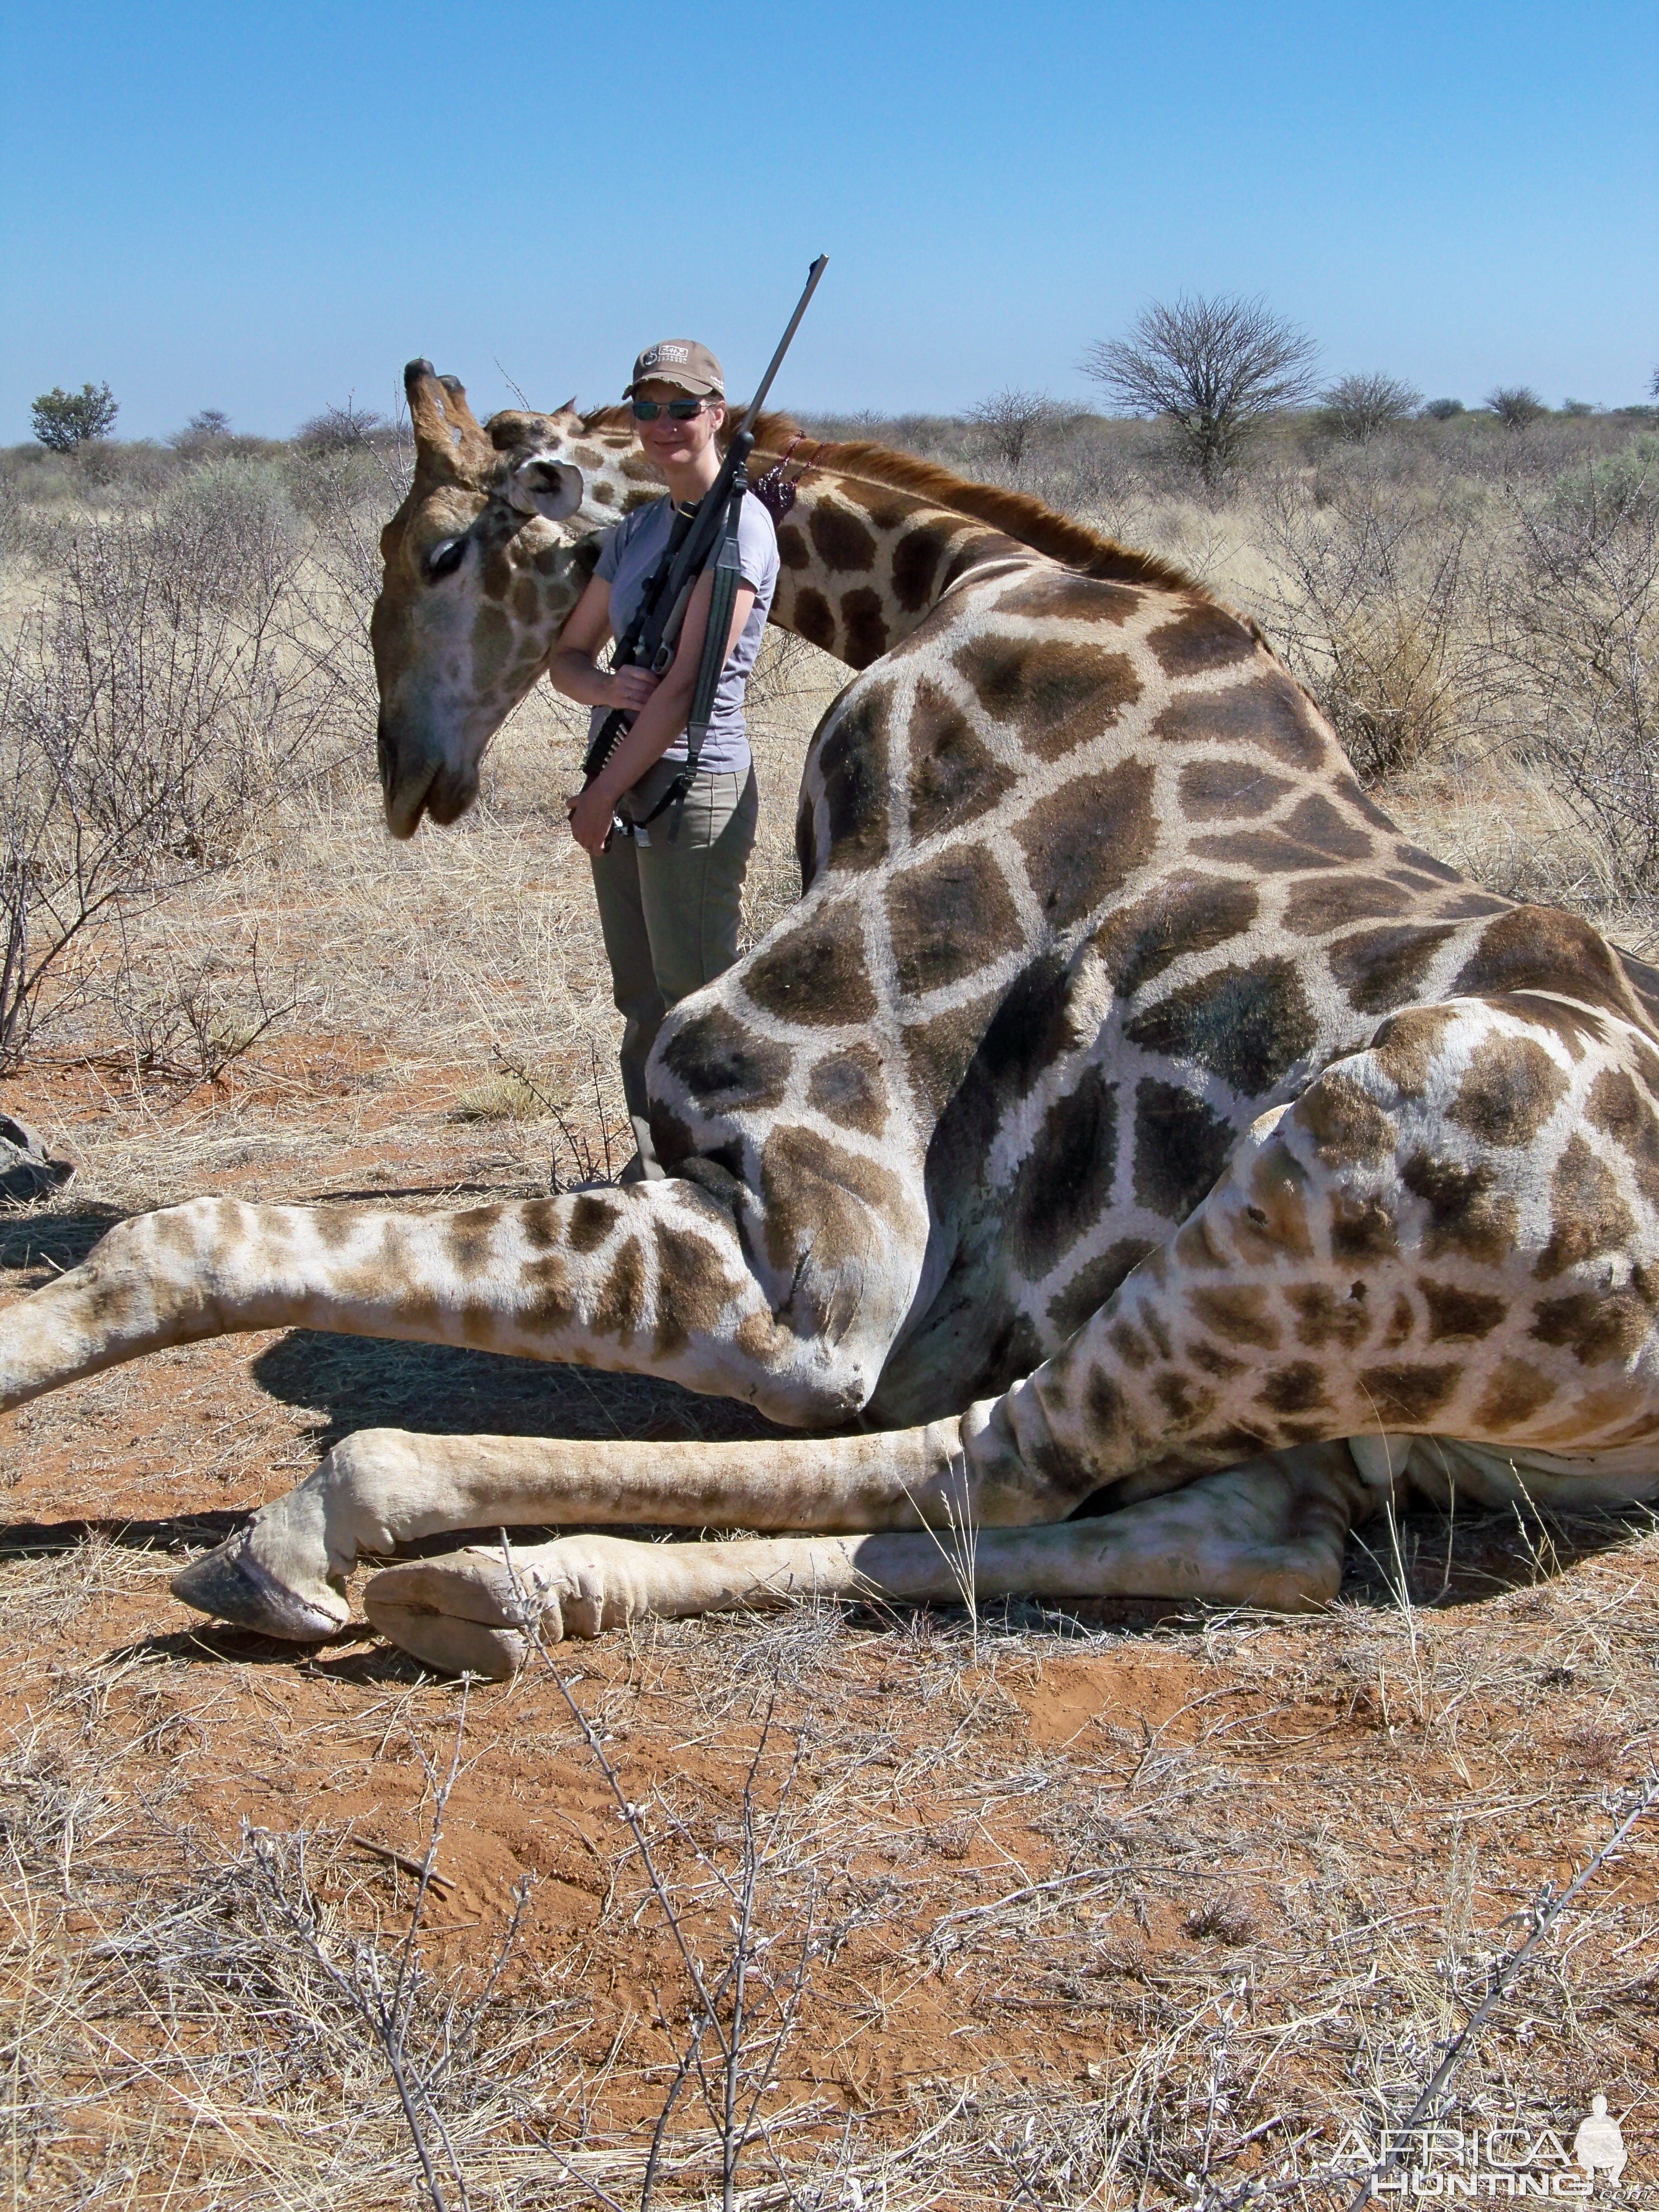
(444, 559)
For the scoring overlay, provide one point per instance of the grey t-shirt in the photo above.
(630, 553)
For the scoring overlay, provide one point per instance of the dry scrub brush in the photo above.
(174, 672)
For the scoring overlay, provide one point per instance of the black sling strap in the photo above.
(711, 661)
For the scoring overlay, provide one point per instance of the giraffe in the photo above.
(1159, 1158)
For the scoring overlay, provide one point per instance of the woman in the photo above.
(669, 895)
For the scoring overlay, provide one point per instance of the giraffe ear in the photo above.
(550, 489)
(447, 438)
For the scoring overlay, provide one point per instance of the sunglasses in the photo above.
(678, 410)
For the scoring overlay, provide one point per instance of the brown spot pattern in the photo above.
(1348, 1128)
(1407, 1397)
(1510, 1089)
(1202, 639)
(1181, 1146)
(954, 776)
(1061, 695)
(1238, 1313)
(1095, 1282)
(1467, 1214)
(619, 1309)
(1406, 1047)
(841, 540)
(1065, 1180)
(853, 761)
(1184, 915)
(816, 975)
(1325, 1315)
(1269, 713)
(1541, 948)
(720, 1061)
(825, 1202)
(851, 1088)
(1589, 1217)
(1233, 788)
(915, 564)
(693, 1291)
(1337, 902)
(592, 1220)
(1514, 1393)
(811, 618)
(1595, 1326)
(1617, 1108)
(1381, 968)
(1248, 1025)
(864, 626)
(1457, 1315)
(947, 919)
(1082, 843)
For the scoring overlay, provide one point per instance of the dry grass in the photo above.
(1126, 1906)
(1073, 1920)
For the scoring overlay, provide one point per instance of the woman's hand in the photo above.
(590, 816)
(629, 687)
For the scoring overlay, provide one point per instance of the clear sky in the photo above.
(264, 208)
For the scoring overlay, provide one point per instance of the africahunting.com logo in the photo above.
(1514, 2160)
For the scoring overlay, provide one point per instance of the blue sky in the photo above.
(266, 208)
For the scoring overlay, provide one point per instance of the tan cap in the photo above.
(682, 362)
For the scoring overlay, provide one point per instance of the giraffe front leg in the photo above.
(1269, 1534)
(658, 1279)
(285, 1573)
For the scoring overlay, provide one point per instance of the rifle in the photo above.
(650, 639)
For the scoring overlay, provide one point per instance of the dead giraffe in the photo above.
(1127, 1119)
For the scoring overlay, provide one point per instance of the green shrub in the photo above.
(64, 420)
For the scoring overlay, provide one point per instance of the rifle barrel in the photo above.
(776, 361)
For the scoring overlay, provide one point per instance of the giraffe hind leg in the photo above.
(1270, 1533)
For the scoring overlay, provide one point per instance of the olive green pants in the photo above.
(669, 910)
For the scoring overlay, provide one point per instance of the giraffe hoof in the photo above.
(459, 1614)
(231, 1584)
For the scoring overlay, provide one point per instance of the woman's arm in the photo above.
(574, 668)
(659, 720)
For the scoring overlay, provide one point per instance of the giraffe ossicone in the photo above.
(1161, 1157)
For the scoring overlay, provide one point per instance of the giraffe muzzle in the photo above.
(415, 782)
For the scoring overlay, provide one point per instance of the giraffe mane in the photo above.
(1072, 543)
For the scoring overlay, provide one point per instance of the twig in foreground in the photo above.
(1546, 1909)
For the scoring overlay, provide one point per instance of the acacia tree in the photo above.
(1213, 370)
(64, 420)
(340, 428)
(1516, 406)
(1010, 418)
(1358, 407)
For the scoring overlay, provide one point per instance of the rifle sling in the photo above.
(711, 661)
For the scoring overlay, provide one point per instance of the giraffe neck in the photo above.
(863, 561)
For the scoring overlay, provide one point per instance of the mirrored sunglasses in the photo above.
(678, 411)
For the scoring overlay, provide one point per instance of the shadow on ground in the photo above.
(356, 1654)
(1437, 1558)
(360, 1383)
(53, 1240)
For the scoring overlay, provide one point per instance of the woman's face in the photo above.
(676, 445)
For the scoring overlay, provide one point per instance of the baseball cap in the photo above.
(682, 362)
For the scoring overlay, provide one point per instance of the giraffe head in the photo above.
(483, 563)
